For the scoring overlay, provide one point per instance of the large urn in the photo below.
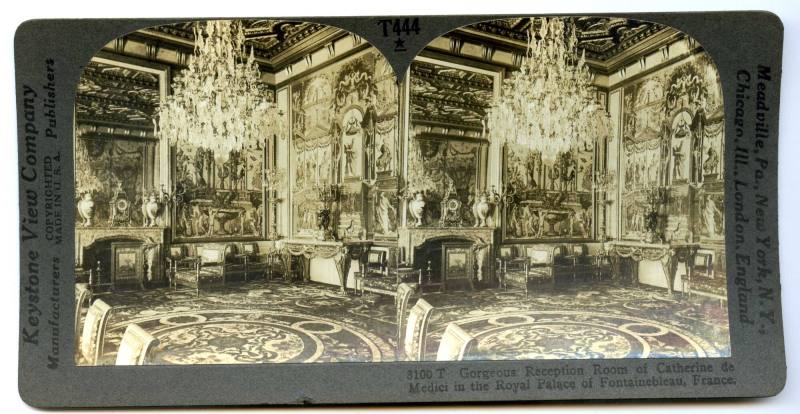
(416, 207)
(86, 208)
(150, 211)
(481, 211)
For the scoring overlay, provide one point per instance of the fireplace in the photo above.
(119, 257)
(430, 244)
(449, 262)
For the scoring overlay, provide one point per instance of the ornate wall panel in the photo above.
(344, 131)
(672, 141)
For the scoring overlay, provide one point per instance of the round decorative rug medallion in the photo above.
(576, 335)
(254, 336)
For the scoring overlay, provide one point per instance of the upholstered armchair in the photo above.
(136, 346)
(256, 263)
(404, 293)
(83, 297)
(578, 258)
(207, 268)
(456, 343)
(92, 341)
(378, 277)
(414, 341)
(541, 265)
(702, 280)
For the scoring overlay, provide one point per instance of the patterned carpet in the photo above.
(269, 322)
(595, 321)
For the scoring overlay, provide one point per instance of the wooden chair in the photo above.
(83, 296)
(704, 264)
(538, 266)
(455, 343)
(94, 331)
(404, 293)
(255, 263)
(276, 265)
(208, 268)
(602, 265)
(414, 341)
(377, 262)
(702, 280)
(178, 261)
(509, 262)
(234, 265)
(381, 278)
(374, 277)
(582, 264)
(136, 346)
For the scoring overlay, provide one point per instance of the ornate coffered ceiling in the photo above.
(275, 42)
(447, 96)
(116, 96)
(608, 42)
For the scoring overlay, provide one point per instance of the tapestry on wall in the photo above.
(218, 198)
(446, 154)
(447, 172)
(112, 170)
(549, 200)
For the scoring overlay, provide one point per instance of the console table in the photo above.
(669, 255)
(342, 253)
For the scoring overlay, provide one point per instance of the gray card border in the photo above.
(737, 41)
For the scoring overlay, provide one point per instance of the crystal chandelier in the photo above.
(550, 105)
(219, 102)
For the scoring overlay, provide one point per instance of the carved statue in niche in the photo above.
(336, 149)
(352, 139)
(368, 126)
(711, 163)
(711, 217)
(384, 157)
(385, 214)
(677, 162)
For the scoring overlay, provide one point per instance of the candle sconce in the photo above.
(327, 194)
(274, 185)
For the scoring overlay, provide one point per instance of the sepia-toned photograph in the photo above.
(271, 191)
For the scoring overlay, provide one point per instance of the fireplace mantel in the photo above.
(154, 236)
(483, 239)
